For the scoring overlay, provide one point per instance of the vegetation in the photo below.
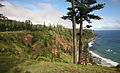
(18, 42)
(13, 25)
(80, 11)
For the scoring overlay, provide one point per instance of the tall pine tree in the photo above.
(84, 8)
(72, 18)
(82, 11)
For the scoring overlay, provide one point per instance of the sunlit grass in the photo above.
(57, 67)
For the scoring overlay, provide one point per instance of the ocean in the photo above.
(106, 47)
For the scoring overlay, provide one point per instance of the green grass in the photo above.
(57, 67)
(13, 65)
(7, 63)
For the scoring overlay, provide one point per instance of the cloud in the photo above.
(106, 23)
(48, 14)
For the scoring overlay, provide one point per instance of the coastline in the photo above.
(99, 60)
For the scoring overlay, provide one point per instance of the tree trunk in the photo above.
(74, 35)
(86, 52)
(80, 42)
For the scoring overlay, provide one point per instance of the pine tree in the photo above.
(71, 17)
(82, 11)
(84, 8)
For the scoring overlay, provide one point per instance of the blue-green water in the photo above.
(107, 44)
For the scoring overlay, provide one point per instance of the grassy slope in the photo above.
(57, 67)
(15, 57)
(10, 65)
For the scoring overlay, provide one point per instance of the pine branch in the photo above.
(92, 16)
(71, 1)
(82, 8)
(69, 8)
(88, 26)
(68, 0)
(67, 18)
(80, 5)
(89, 2)
(97, 7)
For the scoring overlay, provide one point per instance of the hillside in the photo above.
(42, 51)
(27, 44)
(48, 42)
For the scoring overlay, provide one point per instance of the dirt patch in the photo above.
(27, 39)
(61, 41)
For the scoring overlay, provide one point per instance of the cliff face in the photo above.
(49, 44)
(29, 44)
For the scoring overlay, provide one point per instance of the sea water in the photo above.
(106, 47)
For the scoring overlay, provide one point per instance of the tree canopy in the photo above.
(84, 8)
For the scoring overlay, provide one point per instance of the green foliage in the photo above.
(64, 33)
(11, 44)
(43, 37)
(88, 34)
(43, 59)
(15, 70)
(83, 8)
(13, 25)
(92, 16)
